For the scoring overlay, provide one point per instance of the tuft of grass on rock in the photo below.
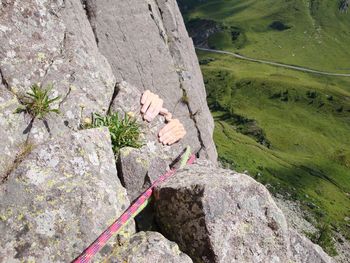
(25, 150)
(125, 132)
(37, 102)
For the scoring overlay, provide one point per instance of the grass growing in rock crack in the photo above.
(125, 132)
(37, 102)
(25, 150)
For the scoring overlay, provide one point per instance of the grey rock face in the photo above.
(146, 247)
(147, 45)
(12, 127)
(304, 251)
(191, 79)
(52, 42)
(138, 168)
(60, 198)
(217, 215)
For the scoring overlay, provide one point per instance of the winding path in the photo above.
(275, 63)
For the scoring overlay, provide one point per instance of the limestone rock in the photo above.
(191, 79)
(147, 45)
(217, 215)
(60, 198)
(138, 168)
(12, 127)
(145, 247)
(57, 47)
(304, 251)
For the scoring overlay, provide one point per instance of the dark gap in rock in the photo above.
(4, 81)
(120, 170)
(89, 11)
(115, 94)
(20, 156)
(47, 127)
(161, 12)
(29, 127)
(65, 97)
(146, 220)
(192, 117)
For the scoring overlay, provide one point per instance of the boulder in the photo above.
(145, 247)
(137, 171)
(217, 215)
(304, 251)
(60, 199)
(147, 45)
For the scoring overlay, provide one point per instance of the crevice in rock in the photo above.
(4, 81)
(161, 31)
(115, 94)
(65, 97)
(6, 84)
(26, 149)
(173, 52)
(192, 116)
(54, 58)
(120, 170)
(89, 11)
(204, 250)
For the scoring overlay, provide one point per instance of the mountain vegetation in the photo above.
(287, 129)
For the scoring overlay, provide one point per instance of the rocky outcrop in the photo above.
(59, 185)
(146, 247)
(60, 198)
(305, 251)
(147, 45)
(201, 30)
(139, 168)
(344, 6)
(58, 47)
(217, 215)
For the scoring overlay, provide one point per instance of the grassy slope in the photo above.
(318, 31)
(309, 157)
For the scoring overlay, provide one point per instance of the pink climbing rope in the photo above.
(131, 212)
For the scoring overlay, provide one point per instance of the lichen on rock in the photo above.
(145, 247)
(60, 198)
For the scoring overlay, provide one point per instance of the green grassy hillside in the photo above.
(290, 130)
(281, 30)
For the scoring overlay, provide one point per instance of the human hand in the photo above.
(172, 132)
(151, 105)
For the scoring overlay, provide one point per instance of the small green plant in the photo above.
(324, 238)
(25, 150)
(184, 98)
(124, 131)
(37, 102)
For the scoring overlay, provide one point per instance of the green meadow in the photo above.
(288, 129)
